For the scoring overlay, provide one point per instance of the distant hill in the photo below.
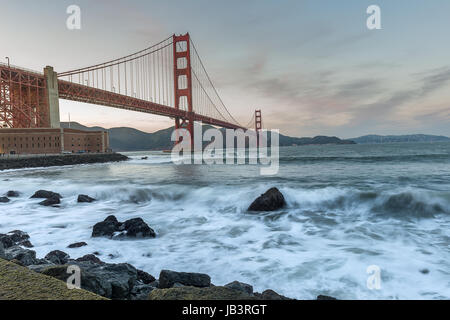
(401, 138)
(129, 139)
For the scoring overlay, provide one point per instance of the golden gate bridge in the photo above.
(166, 79)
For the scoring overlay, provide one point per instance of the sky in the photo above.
(312, 66)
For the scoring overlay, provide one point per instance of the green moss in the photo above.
(192, 293)
(20, 283)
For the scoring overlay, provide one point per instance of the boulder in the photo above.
(144, 277)
(141, 292)
(194, 293)
(137, 228)
(13, 194)
(270, 295)
(77, 245)
(4, 200)
(82, 198)
(25, 256)
(133, 228)
(57, 257)
(50, 201)
(14, 238)
(44, 194)
(113, 281)
(272, 200)
(90, 258)
(321, 297)
(239, 286)
(168, 278)
(106, 228)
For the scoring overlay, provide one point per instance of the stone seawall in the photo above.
(59, 160)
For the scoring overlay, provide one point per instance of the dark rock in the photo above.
(106, 228)
(25, 256)
(19, 263)
(82, 198)
(57, 257)
(424, 271)
(43, 194)
(322, 297)
(133, 228)
(141, 292)
(2, 251)
(194, 293)
(40, 267)
(137, 228)
(239, 286)
(14, 238)
(26, 244)
(272, 200)
(12, 194)
(50, 202)
(144, 277)
(168, 278)
(113, 281)
(90, 258)
(4, 200)
(77, 245)
(270, 295)
(6, 241)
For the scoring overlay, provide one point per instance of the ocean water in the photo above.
(349, 207)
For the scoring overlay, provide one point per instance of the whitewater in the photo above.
(348, 207)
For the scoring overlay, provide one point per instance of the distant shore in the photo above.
(20, 162)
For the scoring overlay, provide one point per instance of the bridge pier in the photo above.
(51, 80)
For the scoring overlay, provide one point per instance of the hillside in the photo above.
(129, 139)
(400, 138)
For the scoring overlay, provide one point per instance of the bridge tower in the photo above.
(183, 82)
(258, 124)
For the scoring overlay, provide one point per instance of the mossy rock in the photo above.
(20, 283)
(193, 293)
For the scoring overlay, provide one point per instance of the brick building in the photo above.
(52, 141)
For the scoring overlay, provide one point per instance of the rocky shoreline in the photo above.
(123, 281)
(59, 160)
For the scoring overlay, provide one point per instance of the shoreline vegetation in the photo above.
(40, 161)
(19, 266)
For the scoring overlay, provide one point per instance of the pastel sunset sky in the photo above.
(312, 66)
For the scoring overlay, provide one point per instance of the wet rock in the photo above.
(137, 228)
(239, 286)
(13, 194)
(270, 295)
(168, 278)
(77, 245)
(2, 251)
(424, 271)
(25, 256)
(194, 293)
(82, 198)
(141, 292)
(272, 200)
(133, 228)
(90, 258)
(40, 267)
(106, 228)
(44, 194)
(50, 202)
(144, 277)
(14, 238)
(113, 281)
(57, 257)
(4, 200)
(322, 297)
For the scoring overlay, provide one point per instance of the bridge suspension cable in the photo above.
(149, 75)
